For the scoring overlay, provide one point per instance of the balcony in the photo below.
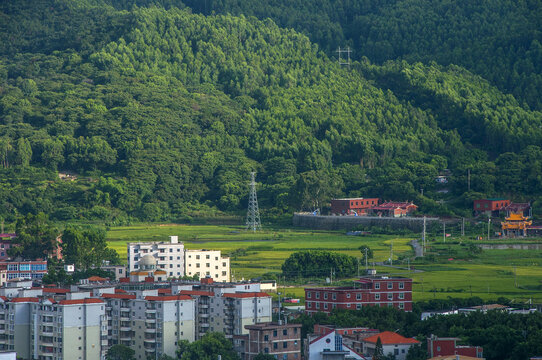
(125, 338)
(150, 330)
(204, 325)
(204, 306)
(150, 321)
(150, 311)
(150, 340)
(125, 328)
(204, 315)
(44, 333)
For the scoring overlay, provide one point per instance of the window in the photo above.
(325, 305)
(377, 285)
(401, 285)
(390, 305)
(284, 345)
(275, 333)
(266, 338)
(285, 332)
(348, 296)
(334, 296)
(347, 305)
(358, 296)
(318, 295)
(266, 350)
(395, 351)
(170, 250)
(171, 258)
(309, 294)
(207, 256)
(224, 264)
(207, 265)
(401, 296)
(197, 257)
(318, 305)
(390, 296)
(390, 285)
(401, 305)
(358, 306)
(377, 296)
(275, 345)
(325, 296)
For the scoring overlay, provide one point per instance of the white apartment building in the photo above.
(172, 258)
(169, 256)
(207, 263)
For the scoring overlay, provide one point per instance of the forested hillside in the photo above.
(500, 40)
(161, 114)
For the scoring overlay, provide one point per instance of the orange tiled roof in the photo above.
(388, 338)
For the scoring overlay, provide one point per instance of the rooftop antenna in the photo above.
(253, 213)
(347, 51)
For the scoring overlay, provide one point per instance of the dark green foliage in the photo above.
(86, 247)
(318, 263)
(36, 237)
(162, 114)
(262, 356)
(208, 347)
(120, 352)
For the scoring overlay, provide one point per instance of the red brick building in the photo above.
(393, 209)
(448, 346)
(370, 291)
(491, 206)
(352, 206)
(283, 341)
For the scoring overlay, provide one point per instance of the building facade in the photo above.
(207, 263)
(392, 343)
(353, 206)
(283, 341)
(491, 206)
(370, 291)
(330, 346)
(448, 346)
(393, 209)
(169, 255)
(24, 269)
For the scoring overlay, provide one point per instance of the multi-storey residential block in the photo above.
(207, 263)
(169, 255)
(40, 328)
(370, 291)
(283, 341)
(25, 269)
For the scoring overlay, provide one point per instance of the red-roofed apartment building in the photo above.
(392, 343)
(448, 346)
(352, 206)
(370, 291)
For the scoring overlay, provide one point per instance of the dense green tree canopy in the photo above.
(155, 113)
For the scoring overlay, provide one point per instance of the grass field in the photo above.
(515, 274)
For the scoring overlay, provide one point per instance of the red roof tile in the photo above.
(246, 295)
(56, 290)
(120, 291)
(81, 301)
(164, 291)
(197, 293)
(388, 337)
(25, 299)
(168, 298)
(118, 296)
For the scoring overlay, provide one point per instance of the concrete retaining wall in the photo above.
(307, 220)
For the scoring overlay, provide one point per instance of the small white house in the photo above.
(392, 343)
(331, 347)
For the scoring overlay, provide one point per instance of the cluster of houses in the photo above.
(371, 207)
(517, 216)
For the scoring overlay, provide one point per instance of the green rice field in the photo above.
(515, 274)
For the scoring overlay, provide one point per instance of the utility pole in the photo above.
(468, 179)
(488, 226)
(347, 51)
(253, 214)
(444, 232)
(366, 267)
(423, 237)
(462, 226)
(358, 267)
(331, 276)
(391, 253)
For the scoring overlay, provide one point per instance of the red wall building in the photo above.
(447, 346)
(394, 209)
(352, 206)
(491, 206)
(370, 291)
(5, 244)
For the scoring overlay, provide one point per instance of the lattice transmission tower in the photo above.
(253, 213)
